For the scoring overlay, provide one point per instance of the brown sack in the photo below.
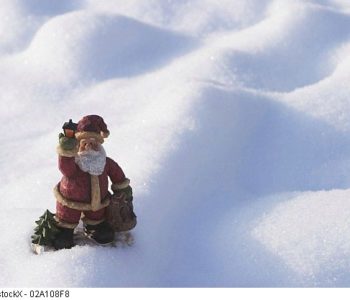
(120, 213)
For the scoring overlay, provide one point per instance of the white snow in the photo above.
(307, 231)
(230, 117)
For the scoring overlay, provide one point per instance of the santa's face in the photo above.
(88, 144)
(91, 157)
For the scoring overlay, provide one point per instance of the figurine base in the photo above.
(122, 239)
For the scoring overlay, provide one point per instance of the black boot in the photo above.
(64, 239)
(101, 233)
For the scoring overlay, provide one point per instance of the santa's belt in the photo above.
(79, 205)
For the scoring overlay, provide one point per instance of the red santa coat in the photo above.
(78, 191)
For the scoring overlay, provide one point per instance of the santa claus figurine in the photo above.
(83, 192)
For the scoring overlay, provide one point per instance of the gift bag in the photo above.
(120, 213)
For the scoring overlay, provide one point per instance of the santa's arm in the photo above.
(66, 162)
(117, 176)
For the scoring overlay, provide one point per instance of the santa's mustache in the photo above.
(90, 152)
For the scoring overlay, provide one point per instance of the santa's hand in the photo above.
(67, 143)
(126, 193)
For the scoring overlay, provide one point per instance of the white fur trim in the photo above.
(66, 153)
(87, 134)
(95, 193)
(78, 205)
(121, 185)
(105, 134)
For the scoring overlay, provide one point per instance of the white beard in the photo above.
(92, 161)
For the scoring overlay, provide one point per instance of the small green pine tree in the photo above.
(45, 232)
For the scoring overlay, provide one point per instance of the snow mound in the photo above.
(297, 47)
(198, 17)
(101, 46)
(230, 118)
(309, 232)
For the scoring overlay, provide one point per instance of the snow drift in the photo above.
(230, 118)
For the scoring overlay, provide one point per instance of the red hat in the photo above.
(92, 126)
